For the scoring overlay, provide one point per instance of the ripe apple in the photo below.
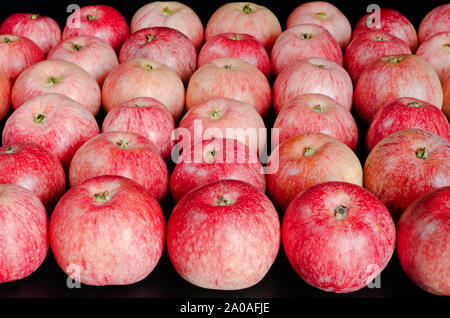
(171, 14)
(144, 116)
(245, 17)
(423, 241)
(406, 165)
(446, 91)
(338, 236)
(394, 76)
(93, 55)
(434, 22)
(56, 122)
(23, 238)
(237, 45)
(101, 21)
(109, 230)
(436, 51)
(224, 235)
(5, 96)
(304, 41)
(404, 113)
(144, 78)
(308, 159)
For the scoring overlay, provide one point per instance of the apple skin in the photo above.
(116, 238)
(446, 91)
(398, 171)
(423, 241)
(392, 77)
(164, 45)
(313, 75)
(326, 15)
(230, 78)
(224, 235)
(93, 55)
(63, 128)
(213, 160)
(24, 235)
(304, 41)
(368, 47)
(334, 252)
(171, 14)
(144, 116)
(434, 22)
(144, 78)
(5, 96)
(101, 21)
(309, 159)
(316, 113)
(237, 45)
(404, 113)
(121, 154)
(436, 51)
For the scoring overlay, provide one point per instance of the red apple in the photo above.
(338, 236)
(229, 78)
(304, 41)
(406, 165)
(59, 77)
(394, 76)
(121, 154)
(44, 31)
(144, 116)
(313, 75)
(437, 20)
(144, 78)
(5, 96)
(324, 14)
(224, 235)
(245, 17)
(92, 54)
(17, 54)
(436, 51)
(423, 241)
(404, 113)
(446, 91)
(101, 21)
(31, 166)
(109, 230)
(368, 47)
(164, 45)
(23, 238)
(237, 45)
(316, 113)
(309, 159)
(56, 122)
(170, 14)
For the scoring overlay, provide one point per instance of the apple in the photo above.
(434, 22)
(316, 113)
(224, 235)
(164, 45)
(245, 17)
(368, 47)
(121, 154)
(144, 78)
(56, 122)
(33, 167)
(324, 14)
(446, 91)
(23, 238)
(304, 41)
(404, 113)
(423, 241)
(405, 165)
(59, 77)
(229, 78)
(436, 51)
(22, 51)
(171, 14)
(101, 21)
(313, 75)
(237, 45)
(144, 116)
(93, 55)
(5, 96)
(338, 236)
(308, 159)
(394, 76)
(109, 230)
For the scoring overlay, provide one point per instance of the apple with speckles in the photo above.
(5, 96)
(434, 22)
(436, 51)
(446, 91)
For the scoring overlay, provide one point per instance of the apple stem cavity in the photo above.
(102, 197)
(306, 36)
(228, 67)
(318, 108)
(394, 60)
(34, 16)
(422, 153)
(91, 17)
(76, 47)
(215, 114)
(166, 10)
(340, 212)
(10, 149)
(123, 144)
(222, 201)
(148, 67)
(39, 118)
(150, 38)
(413, 104)
(236, 37)
(379, 38)
(247, 9)
(447, 46)
(309, 151)
(321, 15)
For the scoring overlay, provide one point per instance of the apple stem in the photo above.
(422, 153)
(76, 47)
(379, 38)
(52, 80)
(39, 118)
(91, 17)
(236, 37)
(321, 15)
(413, 104)
(10, 149)
(309, 151)
(318, 108)
(247, 9)
(7, 40)
(102, 197)
(148, 67)
(34, 16)
(222, 201)
(123, 144)
(150, 37)
(447, 46)
(393, 60)
(340, 212)
(306, 36)
(215, 114)
(167, 10)
(212, 153)
(228, 67)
